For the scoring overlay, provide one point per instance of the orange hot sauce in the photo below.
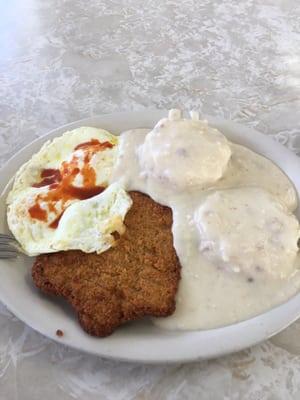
(60, 182)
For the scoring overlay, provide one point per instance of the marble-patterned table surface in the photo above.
(62, 60)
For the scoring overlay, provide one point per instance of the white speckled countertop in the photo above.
(66, 60)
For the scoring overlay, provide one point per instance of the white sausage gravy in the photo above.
(233, 225)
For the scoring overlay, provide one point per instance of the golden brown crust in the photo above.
(136, 278)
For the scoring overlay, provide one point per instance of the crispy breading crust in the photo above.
(136, 278)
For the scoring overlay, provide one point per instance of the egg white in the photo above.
(89, 224)
(54, 152)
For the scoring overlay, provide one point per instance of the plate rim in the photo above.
(261, 327)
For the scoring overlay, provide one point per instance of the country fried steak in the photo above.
(138, 277)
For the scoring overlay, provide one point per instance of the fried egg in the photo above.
(88, 225)
(70, 169)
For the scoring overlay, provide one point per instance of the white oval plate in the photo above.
(140, 341)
